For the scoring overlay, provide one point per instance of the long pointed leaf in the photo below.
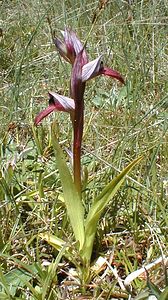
(154, 290)
(98, 206)
(164, 294)
(59, 245)
(53, 240)
(71, 197)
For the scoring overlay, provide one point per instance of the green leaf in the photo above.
(4, 286)
(71, 197)
(164, 294)
(54, 241)
(3, 296)
(154, 290)
(14, 279)
(144, 295)
(98, 206)
(59, 245)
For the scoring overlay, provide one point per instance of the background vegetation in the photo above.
(121, 123)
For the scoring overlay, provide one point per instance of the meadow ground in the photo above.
(121, 123)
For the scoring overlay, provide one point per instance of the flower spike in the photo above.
(72, 50)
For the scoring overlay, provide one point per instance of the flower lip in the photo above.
(44, 113)
(112, 73)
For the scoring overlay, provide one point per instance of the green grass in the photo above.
(121, 123)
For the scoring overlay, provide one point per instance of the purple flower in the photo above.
(96, 67)
(72, 50)
(58, 103)
(70, 47)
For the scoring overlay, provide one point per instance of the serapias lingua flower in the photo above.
(72, 50)
(56, 103)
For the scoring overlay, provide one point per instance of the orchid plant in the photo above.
(72, 50)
